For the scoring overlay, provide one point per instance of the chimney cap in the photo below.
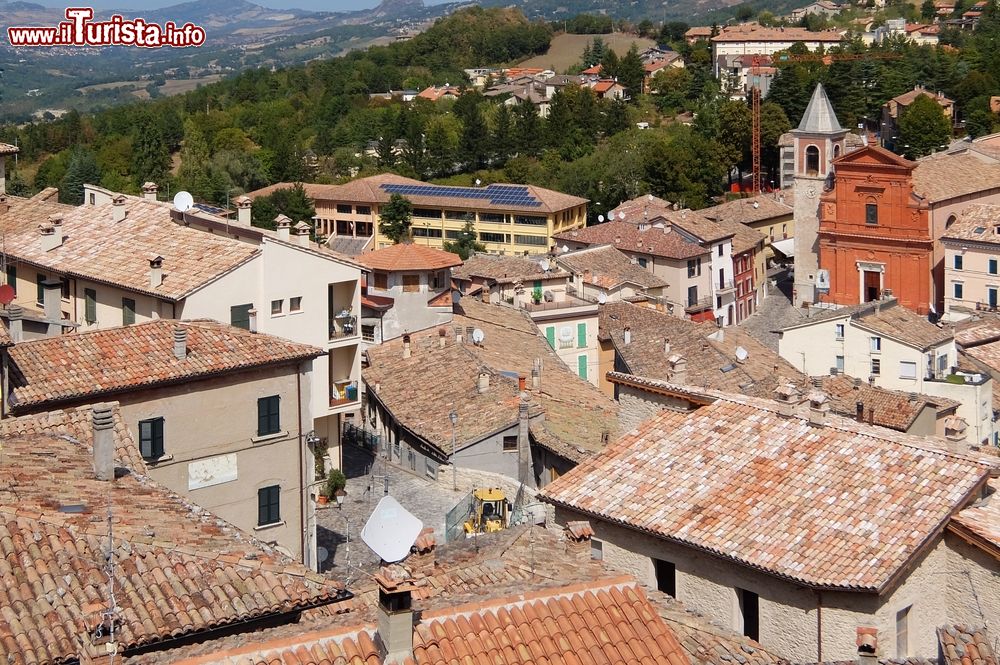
(119, 199)
(282, 220)
(149, 186)
(154, 258)
(46, 228)
(301, 226)
(55, 219)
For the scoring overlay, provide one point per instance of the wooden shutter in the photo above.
(581, 335)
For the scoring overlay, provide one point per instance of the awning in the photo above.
(785, 247)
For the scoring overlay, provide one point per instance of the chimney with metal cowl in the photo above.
(155, 270)
(118, 208)
(678, 369)
(104, 441)
(867, 643)
(180, 342)
(394, 635)
(149, 190)
(302, 233)
(483, 382)
(243, 209)
(284, 226)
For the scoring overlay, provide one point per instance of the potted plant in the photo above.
(536, 295)
(336, 481)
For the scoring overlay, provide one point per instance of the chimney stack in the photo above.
(406, 347)
(155, 270)
(149, 190)
(819, 407)
(442, 337)
(4, 206)
(180, 342)
(859, 411)
(867, 642)
(536, 374)
(627, 334)
(955, 428)
(104, 441)
(52, 303)
(578, 537)
(15, 322)
(484, 294)
(678, 367)
(52, 233)
(524, 466)
(522, 383)
(243, 208)
(483, 384)
(459, 338)
(253, 319)
(787, 396)
(395, 615)
(302, 234)
(118, 208)
(284, 226)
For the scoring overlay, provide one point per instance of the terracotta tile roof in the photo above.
(101, 362)
(946, 176)
(25, 213)
(966, 645)
(836, 506)
(377, 302)
(711, 362)
(651, 209)
(745, 239)
(752, 32)
(909, 96)
(369, 190)
(978, 223)
(886, 408)
(976, 332)
(988, 353)
(627, 237)
(607, 268)
(348, 246)
(502, 269)
(179, 569)
(408, 256)
(768, 206)
(902, 324)
(8, 149)
(642, 207)
(97, 248)
(982, 519)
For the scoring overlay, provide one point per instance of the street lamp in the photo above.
(453, 417)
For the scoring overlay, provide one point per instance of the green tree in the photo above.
(466, 243)
(474, 141)
(501, 134)
(395, 218)
(150, 156)
(82, 170)
(927, 10)
(631, 72)
(923, 128)
(289, 201)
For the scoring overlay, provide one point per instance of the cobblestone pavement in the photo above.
(775, 312)
(427, 500)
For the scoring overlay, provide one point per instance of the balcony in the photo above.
(724, 286)
(343, 324)
(699, 305)
(342, 313)
(343, 393)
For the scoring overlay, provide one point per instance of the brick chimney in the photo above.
(243, 209)
(578, 536)
(155, 270)
(787, 396)
(819, 407)
(483, 383)
(180, 342)
(394, 635)
(524, 465)
(149, 190)
(859, 411)
(118, 208)
(955, 428)
(867, 642)
(284, 226)
(406, 347)
(52, 233)
(302, 233)
(104, 441)
(15, 323)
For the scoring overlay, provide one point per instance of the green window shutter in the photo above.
(581, 335)
(128, 311)
(39, 289)
(581, 366)
(550, 335)
(90, 305)
(268, 415)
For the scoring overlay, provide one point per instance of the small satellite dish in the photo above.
(621, 216)
(602, 298)
(741, 353)
(544, 263)
(322, 554)
(6, 294)
(600, 218)
(183, 201)
(478, 336)
(566, 334)
(391, 530)
(565, 248)
(478, 182)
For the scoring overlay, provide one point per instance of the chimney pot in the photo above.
(118, 209)
(395, 619)
(253, 320)
(406, 347)
(859, 411)
(666, 346)
(483, 384)
(104, 441)
(155, 271)
(627, 335)
(149, 190)
(302, 234)
(180, 342)
(522, 383)
(284, 225)
(243, 209)
(15, 321)
(536, 374)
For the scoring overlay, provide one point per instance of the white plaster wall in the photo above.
(723, 263)
(571, 353)
(974, 275)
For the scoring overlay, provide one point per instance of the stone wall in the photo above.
(636, 405)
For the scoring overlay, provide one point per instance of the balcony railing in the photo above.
(703, 303)
(724, 285)
(343, 324)
(344, 392)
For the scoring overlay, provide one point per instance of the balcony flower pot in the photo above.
(322, 499)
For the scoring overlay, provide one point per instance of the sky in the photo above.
(314, 5)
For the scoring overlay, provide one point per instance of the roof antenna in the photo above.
(110, 617)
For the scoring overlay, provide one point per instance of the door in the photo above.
(872, 287)
(993, 298)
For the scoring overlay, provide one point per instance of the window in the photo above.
(958, 291)
(411, 283)
(65, 288)
(531, 240)
(510, 444)
(876, 344)
(694, 267)
(277, 306)
(876, 367)
(550, 336)
(268, 416)
(151, 438)
(720, 250)
(295, 304)
(368, 333)
(93, 198)
(692, 296)
(907, 370)
(380, 280)
(958, 262)
(992, 266)
(426, 233)
(581, 335)
(596, 546)
(344, 209)
(839, 364)
(812, 160)
(431, 468)
(12, 276)
(749, 613)
(239, 316)
(642, 262)
(39, 289)
(666, 577)
(90, 305)
(128, 311)
(492, 218)
(839, 330)
(429, 213)
(581, 366)
(903, 632)
(269, 505)
(871, 213)
(363, 210)
(485, 236)
(530, 220)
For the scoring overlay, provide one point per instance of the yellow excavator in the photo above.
(490, 512)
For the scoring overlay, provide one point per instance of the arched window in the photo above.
(951, 220)
(836, 151)
(812, 160)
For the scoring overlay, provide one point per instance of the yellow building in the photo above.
(508, 219)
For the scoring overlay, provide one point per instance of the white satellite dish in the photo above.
(741, 353)
(600, 218)
(478, 336)
(544, 263)
(391, 530)
(478, 182)
(183, 201)
(566, 334)
(322, 554)
(565, 248)
(621, 216)
(602, 298)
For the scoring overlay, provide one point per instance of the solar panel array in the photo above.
(498, 195)
(210, 209)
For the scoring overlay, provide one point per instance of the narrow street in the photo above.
(775, 312)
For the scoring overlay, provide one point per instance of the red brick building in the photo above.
(874, 232)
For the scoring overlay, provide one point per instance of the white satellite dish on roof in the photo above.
(391, 530)
(544, 264)
(183, 201)
(741, 353)
(602, 298)
(478, 336)
(565, 248)
(621, 215)
(600, 218)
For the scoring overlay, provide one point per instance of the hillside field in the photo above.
(565, 50)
